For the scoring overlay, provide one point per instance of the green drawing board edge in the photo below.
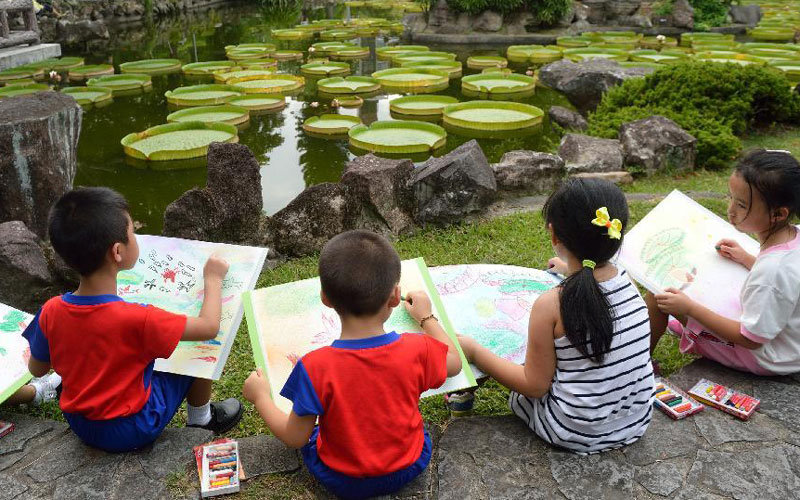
(14, 387)
(252, 330)
(446, 324)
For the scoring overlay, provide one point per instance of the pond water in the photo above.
(290, 159)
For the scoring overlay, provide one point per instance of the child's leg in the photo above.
(199, 392)
(24, 394)
(658, 320)
(220, 416)
(37, 392)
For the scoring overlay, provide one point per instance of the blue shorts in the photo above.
(142, 428)
(362, 487)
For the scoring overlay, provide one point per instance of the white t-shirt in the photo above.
(771, 307)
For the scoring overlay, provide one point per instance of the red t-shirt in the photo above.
(366, 393)
(104, 349)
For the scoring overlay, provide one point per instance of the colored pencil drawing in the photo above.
(14, 351)
(673, 246)
(492, 303)
(288, 321)
(169, 275)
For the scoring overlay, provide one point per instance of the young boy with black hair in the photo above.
(104, 348)
(364, 387)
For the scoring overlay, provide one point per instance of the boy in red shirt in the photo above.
(364, 387)
(104, 348)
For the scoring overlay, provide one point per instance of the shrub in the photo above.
(708, 13)
(546, 11)
(713, 102)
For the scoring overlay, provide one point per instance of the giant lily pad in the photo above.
(269, 84)
(349, 101)
(21, 73)
(406, 57)
(338, 35)
(586, 53)
(292, 34)
(349, 85)
(412, 78)
(206, 68)
(202, 95)
(498, 83)
(242, 74)
(480, 62)
(177, 141)
(349, 53)
(404, 137)
(453, 68)
(121, 83)
(287, 55)
(331, 124)
(740, 59)
(791, 68)
(245, 53)
(573, 41)
(15, 89)
(83, 72)
(324, 48)
(56, 64)
(325, 69)
(259, 102)
(492, 115)
(391, 51)
(233, 115)
(654, 42)
(421, 105)
(269, 47)
(547, 54)
(262, 63)
(772, 34)
(89, 95)
(650, 55)
(521, 53)
(688, 38)
(151, 66)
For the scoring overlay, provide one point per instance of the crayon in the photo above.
(220, 483)
(223, 461)
(682, 408)
(675, 402)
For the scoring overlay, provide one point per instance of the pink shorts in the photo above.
(696, 339)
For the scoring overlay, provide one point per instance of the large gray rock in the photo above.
(620, 8)
(454, 185)
(596, 11)
(383, 186)
(316, 215)
(229, 208)
(415, 22)
(71, 32)
(440, 15)
(488, 21)
(657, 143)
(568, 119)
(745, 14)
(583, 153)
(38, 151)
(529, 171)
(682, 14)
(584, 83)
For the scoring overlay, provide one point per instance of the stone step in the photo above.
(17, 56)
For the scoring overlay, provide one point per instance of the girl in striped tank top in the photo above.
(587, 382)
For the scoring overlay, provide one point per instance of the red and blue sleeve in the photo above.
(300, 391)
(40, 347)
(436, 363)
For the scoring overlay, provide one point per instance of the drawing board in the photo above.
(14, 351)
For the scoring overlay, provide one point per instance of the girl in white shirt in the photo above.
(764, 198)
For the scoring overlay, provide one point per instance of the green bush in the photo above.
(713, 102)
(708, 13)
(546, 11)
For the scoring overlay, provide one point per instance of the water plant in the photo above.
(398, 137)
(177, 141)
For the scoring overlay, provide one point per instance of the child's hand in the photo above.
(556, 265)
(468, 346)
(418, 305)
(730, 249)
(674, 302)
(216, 267)
(256, 386)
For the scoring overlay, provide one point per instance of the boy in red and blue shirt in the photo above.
(104, 348)
(365, 387)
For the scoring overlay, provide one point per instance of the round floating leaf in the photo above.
(269, 84)
(406, 57)
(411, 78)
(242, 74)
(260, 102)
(331, 124)
(325, 69)
(93, 70)
(292, 34)
(350, 53)
(640, 64)
(349, 85)
(480, 62)
(492, 115)
(573, 41)
(269, 47)
(349, 101)
(404, 137)
(740, 59)
(321, 49)
(653, 42)
(16, 89)
(772, 34)
(121, 83)
(453, 68)
(151, 66)
(654, 56)
(89, 95)
(389, 52)
(498, 83)
(233, 115)
(287, 55)
(336, 35)
(586, 53)
(263, 63)
(521, 53)
(245, 53)
(177, 141)
(20, 73)
(206, 68)
(56, 64)
(688, 38)
(421, 105)
(502, 71)
(202, 95)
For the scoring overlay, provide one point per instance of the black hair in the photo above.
(358, 271)
(776, 177)
(84, 224)
(585, 310)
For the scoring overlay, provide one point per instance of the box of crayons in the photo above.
(674, 402)
(738, 404)
(6, 428)
(220, 470)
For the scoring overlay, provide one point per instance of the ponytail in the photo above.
(586, 314)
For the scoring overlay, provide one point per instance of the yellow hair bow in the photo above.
(604, 220)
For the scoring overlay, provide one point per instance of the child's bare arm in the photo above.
(206, 325)
(38, 368)
(292, 429)
(419, 307)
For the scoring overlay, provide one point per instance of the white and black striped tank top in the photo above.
(593, 407)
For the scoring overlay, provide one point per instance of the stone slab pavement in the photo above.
(711, 455)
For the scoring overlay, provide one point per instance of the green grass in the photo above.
(778, 137)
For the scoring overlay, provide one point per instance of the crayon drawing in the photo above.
(14, 351)
(492, 304)
(673, 247)
(288, 321)
(169, 275)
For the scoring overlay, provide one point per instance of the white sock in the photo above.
(198, 415)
